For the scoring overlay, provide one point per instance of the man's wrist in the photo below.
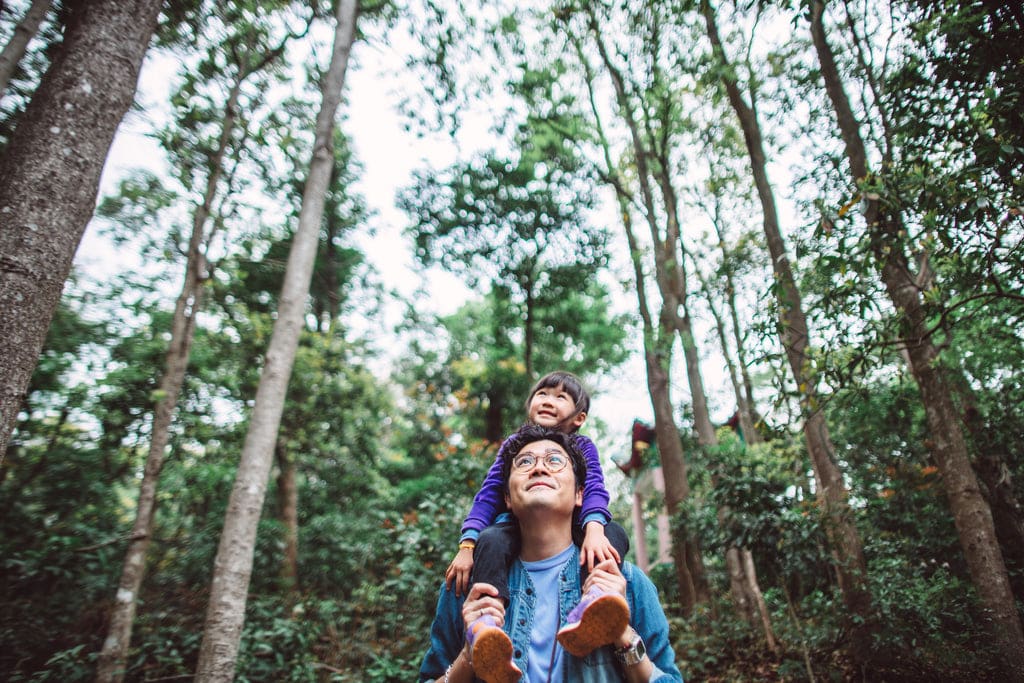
(633, 652)
(625, 639)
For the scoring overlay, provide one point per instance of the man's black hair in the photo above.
(529, 433)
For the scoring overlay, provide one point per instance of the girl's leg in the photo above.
(496, 548)
(600, 617)
(617, 536)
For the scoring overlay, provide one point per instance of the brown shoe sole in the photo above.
(492, 657)
(602, 622)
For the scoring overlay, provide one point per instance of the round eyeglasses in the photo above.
(554, 461)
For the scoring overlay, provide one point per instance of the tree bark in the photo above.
(831, 491)
(15, 48)
(225, 614)
(658, 345)
(110, 668)
(288, 512)
(971, 513)
(50, 173)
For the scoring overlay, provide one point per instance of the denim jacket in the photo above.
(646, 617)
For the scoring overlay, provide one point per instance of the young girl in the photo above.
(490, 540)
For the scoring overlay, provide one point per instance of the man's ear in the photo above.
(578, 419)
(579, 497)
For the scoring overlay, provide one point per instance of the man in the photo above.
(543, 487)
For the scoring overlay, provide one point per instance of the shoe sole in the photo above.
(492, 657)
(602, 622)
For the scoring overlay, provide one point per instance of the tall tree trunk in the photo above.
(15, 48)
(58, 152)
(747, 599)
(744, 389)
(658, 351)
(225, 614)
(658, 358)
(971, 512)
(110, 667)
(831, 491)
(288, 511)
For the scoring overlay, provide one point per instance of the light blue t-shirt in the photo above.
(545, 653)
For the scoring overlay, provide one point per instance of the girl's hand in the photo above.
(596, 548)
(458, 571)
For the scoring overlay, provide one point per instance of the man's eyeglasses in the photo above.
(554, 461)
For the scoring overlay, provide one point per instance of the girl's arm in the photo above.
(594, 514)
(488, 502)
(595, 494)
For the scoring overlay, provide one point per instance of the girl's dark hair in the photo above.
(529, 433)
(570, 383)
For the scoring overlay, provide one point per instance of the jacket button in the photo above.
(522, 622)
(529, 591)
(519, 653)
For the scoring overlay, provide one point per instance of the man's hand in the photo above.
(596, 548)
(609, 578)
(483, 599)
(458, 571)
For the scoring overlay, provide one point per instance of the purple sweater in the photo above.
(489, 501)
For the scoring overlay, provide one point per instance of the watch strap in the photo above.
(633, 653)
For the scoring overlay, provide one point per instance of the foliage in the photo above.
(387, 460)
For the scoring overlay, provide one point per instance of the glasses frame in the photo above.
(537, 458)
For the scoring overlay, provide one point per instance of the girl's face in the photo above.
(555, 408)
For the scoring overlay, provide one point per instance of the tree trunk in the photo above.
(971, 513)
(746, 575)
(225, 614)
(658, 357)
(288, 511)
(831, 491)
(743, 386)
(57, 152)
(658, 345)
(15, 48)
(111, 664)
(754, 589)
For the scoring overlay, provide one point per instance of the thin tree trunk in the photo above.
(744, 389)
(658, 350)
(225, 614)
(971, 512)
(288, 511)
(747, 598)
(57, 152)
(831, 491)
(111, 664)
(15, 48)
(754, 588)
(639, 530)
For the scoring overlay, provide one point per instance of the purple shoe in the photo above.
(599, 619)
(490, 651)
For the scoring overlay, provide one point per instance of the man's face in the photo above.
(542, 478)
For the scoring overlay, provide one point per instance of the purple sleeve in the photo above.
(595, 495)
(489, 501)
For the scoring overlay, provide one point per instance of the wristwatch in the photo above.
(633, 653)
